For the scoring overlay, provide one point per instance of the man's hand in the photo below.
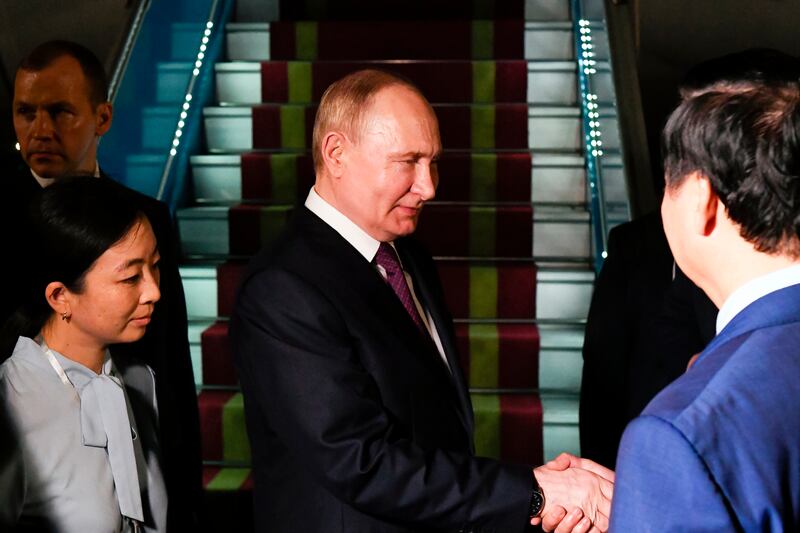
(577, 495)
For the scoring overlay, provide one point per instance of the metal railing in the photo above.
(198, 92)
(590, 128)
(127, 49)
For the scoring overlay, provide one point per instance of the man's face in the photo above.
(56, 124)
(391, 169)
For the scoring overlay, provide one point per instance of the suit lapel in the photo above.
(346, 265)
(444, 327)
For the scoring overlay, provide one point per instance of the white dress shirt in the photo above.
(44, 182)
(368, 247)
(755, 289)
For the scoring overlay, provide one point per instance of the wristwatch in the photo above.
(537, 501)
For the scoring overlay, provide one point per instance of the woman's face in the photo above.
(119, 291)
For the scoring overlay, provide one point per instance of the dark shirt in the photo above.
(642, 329)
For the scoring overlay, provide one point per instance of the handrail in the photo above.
(208, 50)
(642, 193)
(127, 49)
(590, 127)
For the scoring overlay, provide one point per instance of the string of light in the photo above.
(187, 104)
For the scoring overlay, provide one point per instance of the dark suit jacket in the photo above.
(165, 346)
(355, 423)
(719, 449)
(642, 328)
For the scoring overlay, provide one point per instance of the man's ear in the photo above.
(103, 114)
(706, 204)
(57, 296)
(333, 149)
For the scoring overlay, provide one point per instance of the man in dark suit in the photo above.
(357, 411)
(60, 112)
(719, 448)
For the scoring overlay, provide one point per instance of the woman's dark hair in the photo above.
(73, 222)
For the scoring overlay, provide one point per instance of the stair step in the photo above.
(463, 177)
(564, 294)
(369, 10)
(171, 81)
(450, 230)
(382, 39)
(185, 40)
(507, 81)
(508, 426)
(479, 289)
(289, 127)
(471, 231)
(478, 127)
(541, 40)
(287, 178)
(494, 356)
(227, 499)
(303, 82)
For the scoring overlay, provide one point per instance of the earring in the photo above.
(64, 315)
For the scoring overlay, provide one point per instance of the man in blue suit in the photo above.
(719, 449)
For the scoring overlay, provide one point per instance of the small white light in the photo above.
(583, 22)
(200, 55)
(594, 143)
(599, 143)
(593, 133)
(173, 152)
(175, 142)
(185, 106)
(196, 72)
(593, 124)
(204, 40)
(594, 153)
(181, 124)
(209, 24)
(593, 71)
(202, 47)
(178, 133)
(198, 64)
(604, 254)
(207, 32)
(599, 152)
(183, 115)
(17, 147)
(189, 97)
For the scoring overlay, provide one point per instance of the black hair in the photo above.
(741, 70)
(747, 144)
(46, 53)
(73, 222)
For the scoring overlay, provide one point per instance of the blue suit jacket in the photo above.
(719, 449)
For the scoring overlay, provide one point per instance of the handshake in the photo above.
(577, 495)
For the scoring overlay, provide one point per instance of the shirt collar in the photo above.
(755, 289)
(44, 182)
(349, 230)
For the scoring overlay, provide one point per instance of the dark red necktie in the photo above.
(387, 258)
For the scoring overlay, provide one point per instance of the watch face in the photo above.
(537, 503)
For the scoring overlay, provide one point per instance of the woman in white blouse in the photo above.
(85, 421)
